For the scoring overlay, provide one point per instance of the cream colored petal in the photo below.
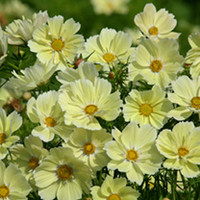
(180, 113)
(190, 170)
(55, 26)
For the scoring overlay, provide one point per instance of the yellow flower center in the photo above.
(156, 65)
(146, 109)
(114, 197)
(182, 151)
(2, 138)
(153, 30)
(88, 148)
(57, 44)
(64, 172)
(131, 155)
(109, 57)
(91, 109)
(4, 192)
(195, 102)
(50, 121)
(33, 163)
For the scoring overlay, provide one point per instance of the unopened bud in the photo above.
(78, 61)
(27, 96)
(111, 75)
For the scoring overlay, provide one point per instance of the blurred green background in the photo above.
(187, 13)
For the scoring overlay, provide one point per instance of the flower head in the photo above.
(84, 100)
(114, 189)
(109, 47)
(56, 41)
(187, 96)
(49, 115)
(8, 125)
(13, 185)
(62, 175)
(156, 62)
(156, 24)
(181, 148)
(134, 151)
(88, 146)
(147, 107)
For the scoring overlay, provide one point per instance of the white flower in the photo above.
(134, 152)
(29, 156)
(20, 31)
(3, 46)
(181, 148)
(13, 185)
(84, 100)
(46, 111)
(63, 176)
(31, 77)
(114, 189)
(88, 146)
(57, 42)
(109, 47)
(157, 62)
(8, 125)
(147, 107)
(156, 24)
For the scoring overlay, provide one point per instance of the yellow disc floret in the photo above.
(2, 138)
(88, 148)
(64, 172)
(182, 151)
(146, 109)
(156, 65)
(50, 121)
(4, 192)
(131, 154)
(153, 30)
(91, 109)
(109, 57)
(114, 197)
(195, 102)
(57, 44)
(33, 163)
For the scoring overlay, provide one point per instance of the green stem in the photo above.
(173, 184)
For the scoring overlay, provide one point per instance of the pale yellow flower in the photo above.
(46, 111)
(193, 55)
(62, 175)
(156, 24)
(109, 47)
(20, 31)
(181, 148)
(88, 146)
(147, 107)
(31, 77)
(13, 185)
(157, 62)
(134, 152)
(57, 42)
(29, 156)
(187, 96)
(84, 100)
(8, 125)
(114, 189)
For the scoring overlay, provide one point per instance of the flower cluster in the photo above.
(98, 118)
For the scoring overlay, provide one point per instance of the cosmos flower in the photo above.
(156, 24)
(57, 42)
(181, 148)
(134, 151)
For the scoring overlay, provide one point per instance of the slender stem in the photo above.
(173, 184)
